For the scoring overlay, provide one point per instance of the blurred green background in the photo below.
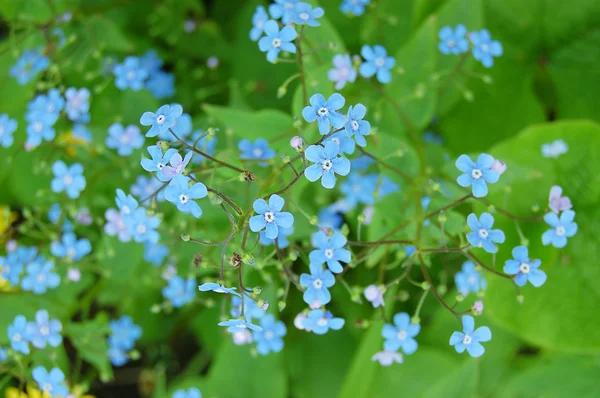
(544, 87)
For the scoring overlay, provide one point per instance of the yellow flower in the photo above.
(70, 142)
(6, 219)
(32, 392)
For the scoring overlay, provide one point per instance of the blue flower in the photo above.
(124, 333)
(282, 241)
(39, 128)
(562, 228)
(270, 217)
(164, 118)
(483, 235)
(3, 354)
(7, 128)
(401, 334)
(182, 195)
(117, 224)
(470, 339)
(151, 61)
(330, 251)
(217, 288)
(342, 71)
(60, 36)
(17, 333)
(143, 227)
(180, 291)
(316, 284)
(182, 127)
(277, 40)
(359, 189)
(190, 393)
(237, 325)
(44, 330)
(325, 112)
(158, 161)
(409, 250)
(69, 179)
(161, 84)
(484, 48)
(270, 338)
(377, 63)
(155, 254)
(29, 65)
(11, 269)
(362, 163)
(124, 140)
(40, 277)
(50, 382)
(304, 14)
(70, 247)
(330, 218)
(356, 125)
(51, 104)
(453, 41)
(177, 165)
(130, 74)
(251, 310)
(524, 268)
(78, 104)
(469, 279)
(326, 164)
(257, 150)
(320, 321)
(126, 203)
(355, 7)
(146, 186)
(283, 9)
(80, 132)
(346, 143)
(117, 356)
(258, 22)
(477, 174)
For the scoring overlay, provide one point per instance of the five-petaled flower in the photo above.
(177, 165)
(453, 41)
(316, 284)
(277, 40)
(162, 120)
(557, 202)
(17, 333)
(470, 339)
(483, 235)
(269, 339)
(326, 165)
(180, 291)
(320, 321)
(469, 280)
(258, 22)
(44, 330)
(401, 334)
(330, 251)
(376, 63)
(190, 393)
(524, 268)
(484, 48)
(387, 358)
(183, 195)
(270, 217)
(50, 382)
(477, 174)
(342, 71)
(69, 179)
(305, 14)
(325, 112)
(563, 227)
(356, 125)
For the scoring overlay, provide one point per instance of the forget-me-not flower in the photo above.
(183, 195)
(453, 41)
(180, 291)
(130, 74)
(270, 338)
(305, 14)
(563, 227)
(524, 268)
(7, 128)
(377, 62)
(483, 235)
(237, 325)
(326, 165)
(44, 330)
(124, 139)
(554, 149)
(283, 9)
(477, 174)
(330, 251)
(354, 7)
(29, 65)
(17, 333)
(342, 71)
(40, 276)
(401, 334)
(325, 112)
(124, 333)
(69, 179)
(145, 186)
(469, 280)
(374, 294)
(355, 125)
(387, 358)
(277, 40)
(270, 217)
(557, 202)
(259, 19)
(258, 149)
(282, 240)
(484, 48)
(251, 309)
(346, 143)
(176, 165)
(161, 84)
(143, 227)
(51, 382)
(190, 393)
(320, 321)
(217, 288)
(78, 104)
(158, 161)
(164, 118)
(72, 248)
(155, 254)
(470, 339)
(316, 284)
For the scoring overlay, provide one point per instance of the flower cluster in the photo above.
(44, 331)
(458, 41)
(131, 221)
(123, 335)
(39, 273)
(29, 65)
(136, 73)
(376, 62)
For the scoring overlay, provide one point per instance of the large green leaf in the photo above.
(89, 338)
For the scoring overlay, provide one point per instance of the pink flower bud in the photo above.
(296, 142)
(499, 166)
(212, 62)
(11, 245)
(374, 294)
(74, 274)
(478, 307)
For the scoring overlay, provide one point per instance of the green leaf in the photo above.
(108, 34)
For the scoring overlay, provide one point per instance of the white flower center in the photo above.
(524, 268)
(257, 152)
(17, 337)
(472, 280)
(402, 335)
(50, 107)
(322, 111)
(125, 139)
(44, 330)
(379, 62)
(160, 119)
(269, 335)
(37, 127)
(67, 179)
(260, 24)
(160, 165)
(276, 42)
(329, 253)
(269, 217)
(289, 4)
(131, 75)
(485, 48)
(322, 322)
(327, 164)
(560, 230)
(354, 125)
(483, 233)
(476, 174)
(183, 198)
(41, 278)
(125, 209)
(71, 252)
(304, 16)
(47, 388)
(344, 72)
(467, 339)
(317, 283)
(141, 229)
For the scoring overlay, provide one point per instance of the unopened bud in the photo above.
(249, 259)
(487, 79)
(520, 299)
(425, 285)
(296, 142)
(211, 131)
(281, 91)
(477, 307)
(185, 237)
(281, 305)
(499, 166)
(469, 95)
(442, 218)
(415, 320)
(257, 290)
(263, 304)
(164, 145)
(285, 159)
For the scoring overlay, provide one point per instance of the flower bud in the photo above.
(297, 143)
(281, 305)
(263, 304)
(185, 237)
(477, 307)
(520, 299)
(249, 259)
(499, 166)
(415, 320)
(257, 290)
(74, 274)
